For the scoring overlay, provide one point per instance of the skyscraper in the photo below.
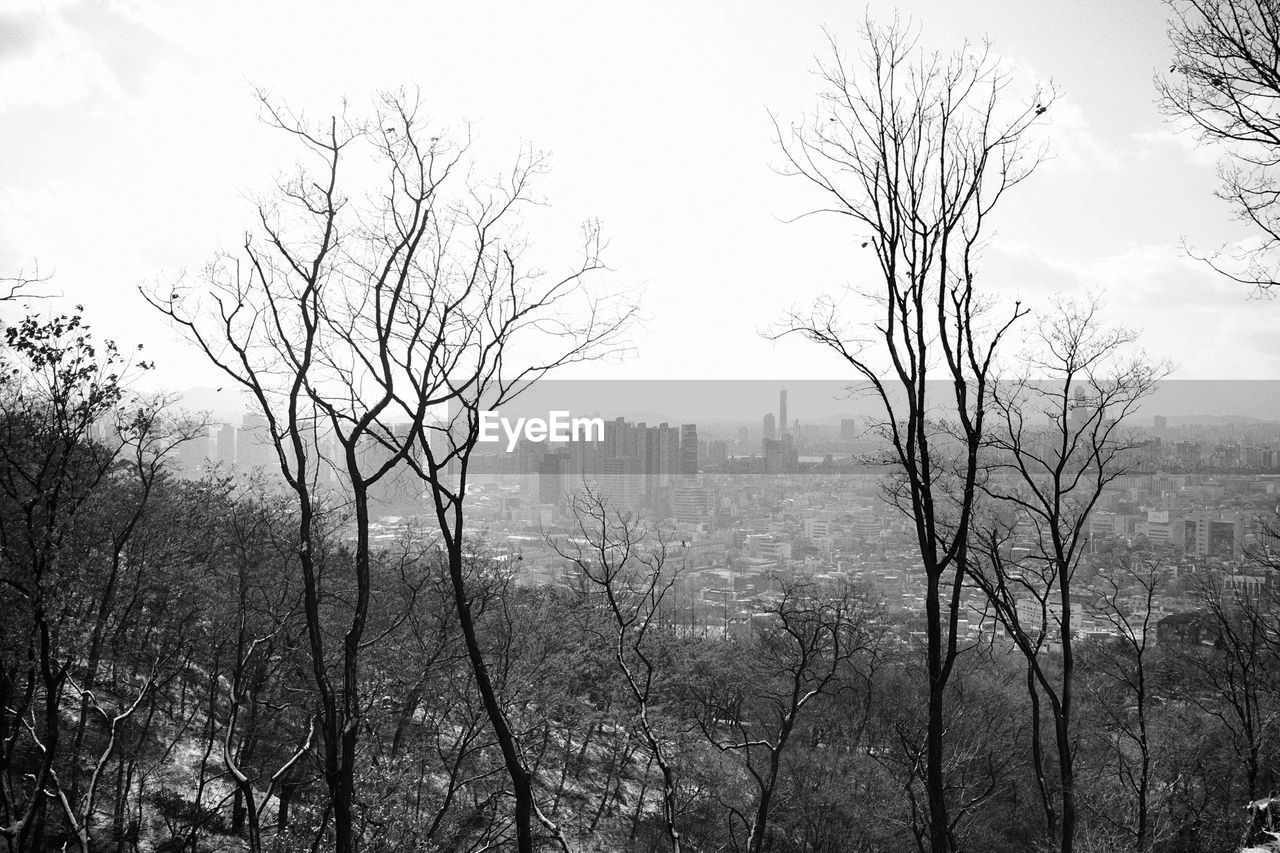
(226, 446)
(782, 413)
(780, 457)
(643, 462)
(618, 485)
(656, 474)
(673, 454)
(254, 449)
(689, 450)
(195, 453)
(666, 462)
(551, 478)
(770, 428)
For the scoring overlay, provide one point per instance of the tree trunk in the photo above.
(935, 781)
(1037, 756)
(521, 785)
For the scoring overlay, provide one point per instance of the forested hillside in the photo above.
(159, 688)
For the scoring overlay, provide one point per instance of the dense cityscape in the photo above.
(750, 503)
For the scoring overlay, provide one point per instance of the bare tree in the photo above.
(489, 328)
(1060, 438)
(473, 337)
(1123, 686)
(626, 566)
(241, 695)
(917, 151)
(1232, 679)
(276, 331)
(79, 810)
(353, 324)
(150, 438)
(1225, 84)
(750, 709)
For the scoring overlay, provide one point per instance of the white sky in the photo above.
(130, 145)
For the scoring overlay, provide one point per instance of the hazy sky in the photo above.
(131, 147)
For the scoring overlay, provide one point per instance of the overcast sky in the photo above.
(131, 146)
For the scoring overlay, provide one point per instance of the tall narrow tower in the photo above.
(783, 423)
(689, 450)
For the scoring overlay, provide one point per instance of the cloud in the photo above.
(52, 68)
(1074, 144)
(129, 48)
(18, 35)
(60, 54)
(1204, 322)
(1180, 141)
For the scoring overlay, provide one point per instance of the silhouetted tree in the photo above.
(626, 570)
(917, 151)
(355, 324)
(1059, 439)
(750, 696)
(1122, 680)
(1224, 83)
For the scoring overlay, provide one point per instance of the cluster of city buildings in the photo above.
(740, 507)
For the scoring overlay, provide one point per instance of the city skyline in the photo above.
(827, 402)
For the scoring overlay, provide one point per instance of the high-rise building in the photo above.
(225, 452)
(398, 490)
(673, 454)
(254, 449)
(585, 463)
(1080, 410)
(770, 430)
(661, 453)
(613, 438)
(716, 453)
(195, 453)
(551, 478)
(1211, 533)
(692, 503)
(689, 450)
(848, 429)
(618, 485)
(643, 464)
(780, 457)
(782, 413)
(655, 468)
